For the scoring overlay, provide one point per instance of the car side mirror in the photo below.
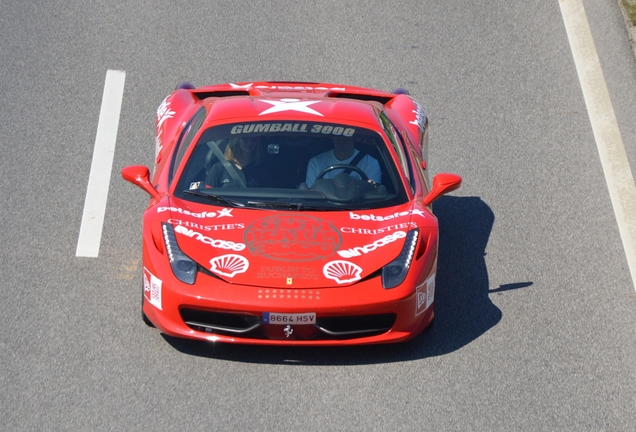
(140, 175)
(442, 184)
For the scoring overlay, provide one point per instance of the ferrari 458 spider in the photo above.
(290, 213)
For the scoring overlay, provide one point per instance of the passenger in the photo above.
(343, 153)
(246, 158)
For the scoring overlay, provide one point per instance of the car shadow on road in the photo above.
(463, 309)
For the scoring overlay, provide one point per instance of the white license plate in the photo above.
(284, 319)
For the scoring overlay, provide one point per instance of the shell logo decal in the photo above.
(342, 271)
(229, 265)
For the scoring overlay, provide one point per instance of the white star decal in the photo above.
(244, 86)
(290, 105)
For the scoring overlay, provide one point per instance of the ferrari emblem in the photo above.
(288, 331)
(289, 281)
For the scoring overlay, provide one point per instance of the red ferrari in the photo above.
(290, 213)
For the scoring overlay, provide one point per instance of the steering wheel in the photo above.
(343, 166)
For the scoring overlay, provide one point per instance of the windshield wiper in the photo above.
(276, 204)
(298, 206)
(214, 197)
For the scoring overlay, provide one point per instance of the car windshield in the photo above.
(294, 165)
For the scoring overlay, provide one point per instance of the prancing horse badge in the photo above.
(288, 331)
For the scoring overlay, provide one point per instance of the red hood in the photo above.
(289, 249)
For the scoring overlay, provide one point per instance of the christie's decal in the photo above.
(152, 289)
(373, 217)
(221, 227)
(293, 238)
(218, 214)
(342, 271)
(387, 229)
(359, 250)
(220, 244)
(425, 294)
(229, 265)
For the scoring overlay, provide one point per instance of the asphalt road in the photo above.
(536, 323)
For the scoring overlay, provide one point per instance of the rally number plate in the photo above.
(284, 319)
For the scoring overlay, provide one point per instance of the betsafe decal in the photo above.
(218, 214)
(372, 217)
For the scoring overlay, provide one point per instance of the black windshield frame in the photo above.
(286, 148)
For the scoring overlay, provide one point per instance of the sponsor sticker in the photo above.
(152, 289)
(164, 112)
(221, 227)
(290, 105)
(216, 243)
(420, 117)
(342, 271)
(387, 229)
(425, 294)
(229, 265)
(292, 238)
(372, 217)
(268, 127)
(325, 129)
(217, 214)
(359, 250)
(287, 272)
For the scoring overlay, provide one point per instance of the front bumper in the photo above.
(214, 310)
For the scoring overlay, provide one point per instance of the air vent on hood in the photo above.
(360, 96)
(221, 93)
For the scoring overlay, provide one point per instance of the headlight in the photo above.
(182, 266)
(394, 272)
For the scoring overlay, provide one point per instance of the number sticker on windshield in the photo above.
(330, 130)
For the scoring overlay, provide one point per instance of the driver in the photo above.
(343, 153)
(246, 157)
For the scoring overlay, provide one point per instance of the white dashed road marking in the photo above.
(90, 234)
(618, 174)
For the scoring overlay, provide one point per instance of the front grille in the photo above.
(355, 326)
(250, 326)
(217, 322)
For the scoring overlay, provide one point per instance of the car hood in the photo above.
(289, 249)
